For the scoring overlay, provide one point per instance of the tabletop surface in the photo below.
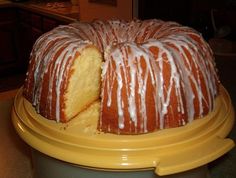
(15, 160)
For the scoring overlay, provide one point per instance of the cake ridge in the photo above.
(155, 74)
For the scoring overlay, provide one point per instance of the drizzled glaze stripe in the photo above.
(53, 55)
(173, 43)
(174, 60)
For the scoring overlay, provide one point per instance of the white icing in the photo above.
(59, 66)
(122, 65)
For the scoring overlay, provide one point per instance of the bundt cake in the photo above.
(149, 75)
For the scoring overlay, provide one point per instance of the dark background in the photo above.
(194, 13)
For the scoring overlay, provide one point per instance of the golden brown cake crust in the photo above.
(155, 74)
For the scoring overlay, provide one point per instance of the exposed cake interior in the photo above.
(84, 82)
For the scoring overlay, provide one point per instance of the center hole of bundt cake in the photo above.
(84, 84)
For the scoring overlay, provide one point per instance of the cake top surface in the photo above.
(155, 65)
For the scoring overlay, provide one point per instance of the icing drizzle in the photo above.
(175, 60)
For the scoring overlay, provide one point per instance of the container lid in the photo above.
(168, 151)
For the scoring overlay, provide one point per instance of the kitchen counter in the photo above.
(15, 159)
(63, 11)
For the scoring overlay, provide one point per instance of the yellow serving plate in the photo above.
(166, 151)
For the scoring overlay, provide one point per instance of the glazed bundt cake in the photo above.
(149, 75)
